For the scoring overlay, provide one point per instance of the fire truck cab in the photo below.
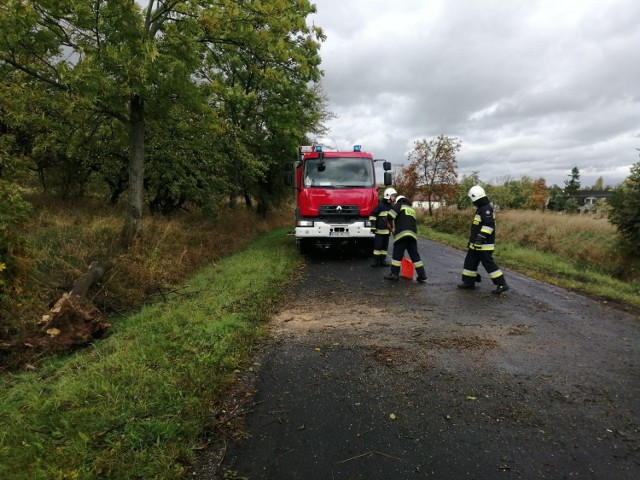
(335, 193)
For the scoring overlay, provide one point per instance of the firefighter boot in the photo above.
(500, 289)
(376, 262)
(383, 262)
(466, 286)
(392, 276)
(422, 275)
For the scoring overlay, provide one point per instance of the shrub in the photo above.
(625, 207)
(14, 212)
(455, 222)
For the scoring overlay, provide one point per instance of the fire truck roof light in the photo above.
(357, 148)
(318, 148)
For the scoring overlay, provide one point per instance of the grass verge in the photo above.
(135, 405)
(552, 268)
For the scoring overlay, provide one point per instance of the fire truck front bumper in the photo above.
(319, 229)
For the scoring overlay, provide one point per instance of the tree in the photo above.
(539, 195)
(468, 181)
(625, 207)
(557, 199)
(405, 180)
(513, 193)
(599, 185)
(572, 185)
(134, 65)
(435, 164)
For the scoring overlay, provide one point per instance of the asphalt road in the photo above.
(369, 379)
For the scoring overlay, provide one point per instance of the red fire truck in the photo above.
(335, 193)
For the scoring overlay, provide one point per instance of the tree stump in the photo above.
(73, 320)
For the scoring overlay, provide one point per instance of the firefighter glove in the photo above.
(480, 239)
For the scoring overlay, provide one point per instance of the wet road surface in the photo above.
(370, 379)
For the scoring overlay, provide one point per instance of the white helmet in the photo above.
(476, 193)
(388, 192)
(400, 197)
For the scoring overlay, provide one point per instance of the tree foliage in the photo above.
(625, 207)
(405, 180)
(539, 195)
(462, 198)
(243, 72)
(434, 162)
(572, 185)
(511, 193)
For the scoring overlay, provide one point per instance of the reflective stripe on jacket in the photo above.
(404, 221)
(378, 218)
(484, 222)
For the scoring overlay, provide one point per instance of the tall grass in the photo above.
(584, 239)
(135, 404)
(65, 238)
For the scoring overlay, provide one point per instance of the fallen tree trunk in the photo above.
(73, 320)
(85, 282)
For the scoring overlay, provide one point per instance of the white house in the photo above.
(421, 202)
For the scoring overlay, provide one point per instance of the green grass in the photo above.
(135, 405)
(555, 269)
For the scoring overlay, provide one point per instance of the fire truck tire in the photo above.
(305, 246)
(367, 247)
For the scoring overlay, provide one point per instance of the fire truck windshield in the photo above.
(338, 173)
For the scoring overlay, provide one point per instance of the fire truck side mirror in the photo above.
(386, 166)
(288, 179)
(388, 178)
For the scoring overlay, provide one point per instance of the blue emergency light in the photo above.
(318, 148)
(357, 148)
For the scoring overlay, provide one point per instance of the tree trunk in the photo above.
(133, 222)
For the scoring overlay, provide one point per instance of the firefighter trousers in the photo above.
(380, 246)
(410, 245)
(475, 258)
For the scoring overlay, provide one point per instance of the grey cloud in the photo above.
(530, 88)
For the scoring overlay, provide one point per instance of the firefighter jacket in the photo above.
(483, 234)
(378, 218)
(403, 219)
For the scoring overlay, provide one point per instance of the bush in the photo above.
(625, 207)
(14, 212)
(456, 222)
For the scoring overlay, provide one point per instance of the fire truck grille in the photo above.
(339, 211)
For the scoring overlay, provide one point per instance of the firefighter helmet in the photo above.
(476, 193)
(388, 192)
(400, 197)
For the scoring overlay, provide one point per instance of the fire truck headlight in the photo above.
(305, 223)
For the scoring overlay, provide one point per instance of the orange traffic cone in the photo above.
(406, 268)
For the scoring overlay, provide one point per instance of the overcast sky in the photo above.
(530, 87)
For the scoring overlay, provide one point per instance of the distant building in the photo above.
(421, 202)
(588, 199)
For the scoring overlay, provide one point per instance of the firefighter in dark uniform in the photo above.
(405, 238)
(380, 228)
(481, 245)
